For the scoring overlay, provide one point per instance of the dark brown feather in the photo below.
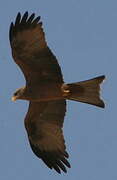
(30, 51)
(44, 119)
(44, 123)
(87, 91)
(18, 18)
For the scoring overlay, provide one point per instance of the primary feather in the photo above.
(30, 51)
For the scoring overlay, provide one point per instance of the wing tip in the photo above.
(18, 14)
(23, 22)
(53, 160)
(26, 13)
(11, 31)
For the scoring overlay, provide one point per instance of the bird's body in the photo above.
(43, 92)
(46, 91)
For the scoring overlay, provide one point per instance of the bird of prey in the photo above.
(46, 91)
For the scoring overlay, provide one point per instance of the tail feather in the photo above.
(87, 91)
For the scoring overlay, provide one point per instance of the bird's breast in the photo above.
(44, 92)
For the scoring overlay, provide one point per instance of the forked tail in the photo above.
(86, 91)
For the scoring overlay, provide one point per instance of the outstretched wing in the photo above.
(44, 123)
(30, 50)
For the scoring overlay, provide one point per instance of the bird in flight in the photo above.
(46, 91)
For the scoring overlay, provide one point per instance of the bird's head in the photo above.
(19, 94)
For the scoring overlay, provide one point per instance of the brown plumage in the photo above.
(45, 90)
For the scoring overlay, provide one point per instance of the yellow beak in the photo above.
(14, 98)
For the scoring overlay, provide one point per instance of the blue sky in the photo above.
(83, 36)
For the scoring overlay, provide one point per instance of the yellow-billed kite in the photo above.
(45, 90)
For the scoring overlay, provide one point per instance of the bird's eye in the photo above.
(15, 94)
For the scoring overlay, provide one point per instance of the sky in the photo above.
(83, 36)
